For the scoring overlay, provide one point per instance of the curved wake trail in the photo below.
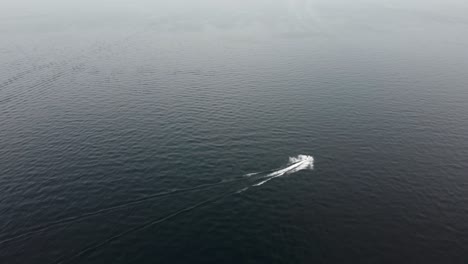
(45, 227)
(298, 163)
(140, 227)
(301, 162)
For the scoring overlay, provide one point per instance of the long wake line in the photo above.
(140, 227)
(298, 163)
(72, 219)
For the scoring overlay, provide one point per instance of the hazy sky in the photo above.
(211, 7)
(271, 17)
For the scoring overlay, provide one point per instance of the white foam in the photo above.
(301, 162)
(262, 182)
(242, 190)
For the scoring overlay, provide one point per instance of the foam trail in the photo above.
(45, 227)
(301, 162)
(262, 182)
(251, 174)
(298, 163)
(138, 228)
(242, 190)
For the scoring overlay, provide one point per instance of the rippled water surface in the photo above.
(234, 131)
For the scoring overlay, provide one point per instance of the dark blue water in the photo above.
(127, 129)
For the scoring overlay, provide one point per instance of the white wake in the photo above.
(251, 174)
(301, 162)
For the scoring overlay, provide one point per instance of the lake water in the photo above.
(170, 132)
